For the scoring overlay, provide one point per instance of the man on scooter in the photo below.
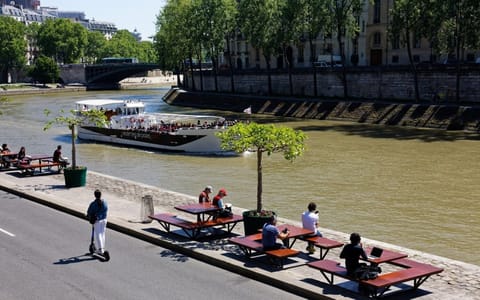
(97, 215)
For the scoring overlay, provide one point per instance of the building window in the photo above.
(470, 57)
(395, 59)
(377, 39)
(376, 12)
(396, 42)
(416, 58)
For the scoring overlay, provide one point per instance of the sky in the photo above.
(139, 14)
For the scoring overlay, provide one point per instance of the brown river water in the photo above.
(416, 188)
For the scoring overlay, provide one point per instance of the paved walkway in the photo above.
(458, 281)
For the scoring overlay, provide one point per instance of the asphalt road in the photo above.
(44, 255)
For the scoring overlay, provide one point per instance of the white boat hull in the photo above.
(186, 140)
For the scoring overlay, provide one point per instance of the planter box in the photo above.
(75, 177)
(252, 224)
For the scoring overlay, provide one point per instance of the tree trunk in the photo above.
(344, 69)
(74, 151)
(269, 76)
(259, 180)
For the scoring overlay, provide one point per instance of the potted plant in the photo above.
(76, 175)
(262, 138)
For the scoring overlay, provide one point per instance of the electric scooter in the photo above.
(92, 249)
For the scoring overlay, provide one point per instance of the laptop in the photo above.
(375, 253)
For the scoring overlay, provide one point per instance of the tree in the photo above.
(62, 40)
(73, 119)
(260, 23)
(95, 48)
(345, 13)
(406, 24)
(122, 44)
(45, 70)
(261, 138)
(459, 29)
(12, 46)
(218, 20)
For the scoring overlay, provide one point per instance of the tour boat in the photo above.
(128, 124)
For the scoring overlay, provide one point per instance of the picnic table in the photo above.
(203, 211)
(6, 158)
(39, 162)
(412, 271)
(295, 233)
(386, 257)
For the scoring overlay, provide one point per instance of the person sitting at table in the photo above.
(5, 159)
(57, 156)
(21, 156)
(205, 194)
(5, 148)
(352, 253)
(225, 208)
(270, 233)
(310, 222)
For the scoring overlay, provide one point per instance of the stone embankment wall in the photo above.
(449, 117)
(363, 83)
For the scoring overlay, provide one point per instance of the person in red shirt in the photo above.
(225, 208)
(205, 194)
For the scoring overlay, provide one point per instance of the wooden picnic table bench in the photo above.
(29, 169)
(378, 286)
(250, 246)
(323, 243)
(193, 229)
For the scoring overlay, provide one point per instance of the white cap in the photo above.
(209, 187)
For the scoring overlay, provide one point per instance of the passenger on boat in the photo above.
(205, 194)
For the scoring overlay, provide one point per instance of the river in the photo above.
(415, 188)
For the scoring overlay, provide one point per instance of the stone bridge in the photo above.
(103, 76)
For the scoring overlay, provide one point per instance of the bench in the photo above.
(193, 229)
(383, 282)
(323, 243)
(29, 169)
(250, 245)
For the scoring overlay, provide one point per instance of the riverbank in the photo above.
(458, 281)
(423, 115)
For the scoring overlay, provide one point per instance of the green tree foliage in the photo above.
(146, 52)
(72, 120)
(122, 44)
(458, 30)
(45, 70)
(95, 48)
(217, 18)
(62, 40)
(408, 22)
(12, 46)
(260, 23)
(314, 18)
(263, 138)
(345, 13)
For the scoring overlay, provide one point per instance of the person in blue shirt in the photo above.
(97, 215)
(270, 233)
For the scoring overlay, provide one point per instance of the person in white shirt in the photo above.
(310, 222)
